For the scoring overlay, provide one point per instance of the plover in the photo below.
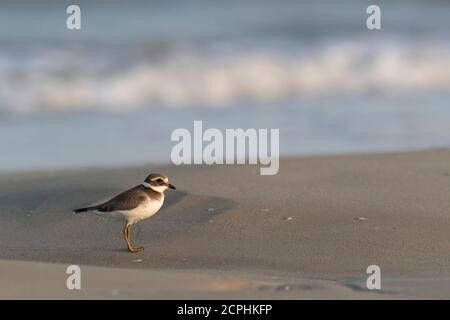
(135, 204)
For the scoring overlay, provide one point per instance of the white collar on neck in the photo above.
(146, 185)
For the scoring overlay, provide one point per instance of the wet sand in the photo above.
(308, 232)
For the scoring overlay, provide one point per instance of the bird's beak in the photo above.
(171, 186)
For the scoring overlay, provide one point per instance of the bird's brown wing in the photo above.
(127, 200)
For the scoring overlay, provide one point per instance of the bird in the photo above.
(138, 203)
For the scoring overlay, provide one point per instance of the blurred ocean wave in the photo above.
(216, 75)
(139, 69)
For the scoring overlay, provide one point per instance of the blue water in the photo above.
(112, 93)
(143, 136)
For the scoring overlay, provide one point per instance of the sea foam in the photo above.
(119, 80)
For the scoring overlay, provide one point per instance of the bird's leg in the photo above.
(127, 239)
(125, 235)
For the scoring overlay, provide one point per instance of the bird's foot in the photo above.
(135, 250)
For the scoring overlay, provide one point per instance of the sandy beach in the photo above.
(308, 232)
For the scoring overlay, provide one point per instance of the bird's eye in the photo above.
(159, 180)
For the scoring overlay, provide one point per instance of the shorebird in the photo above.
(135, 204)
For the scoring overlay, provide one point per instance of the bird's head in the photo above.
(158, 182)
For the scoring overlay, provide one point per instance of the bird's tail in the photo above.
(84, 209)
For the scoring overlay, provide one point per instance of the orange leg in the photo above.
(126, 234)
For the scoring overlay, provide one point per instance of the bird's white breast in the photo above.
(144, 211)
